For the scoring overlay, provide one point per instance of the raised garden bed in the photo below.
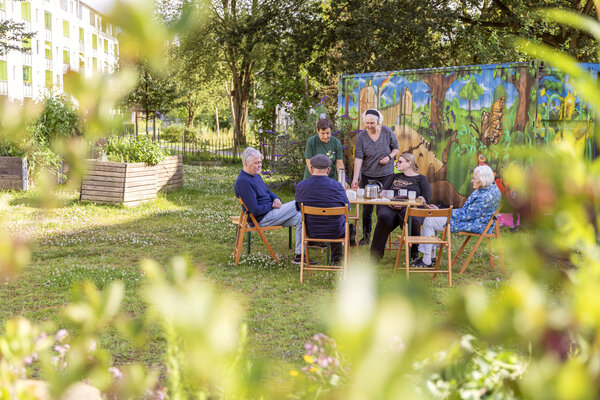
(13, 173)
(130, 183)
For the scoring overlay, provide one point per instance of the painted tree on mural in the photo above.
(523, 79)
(438, 86)
(471, 91)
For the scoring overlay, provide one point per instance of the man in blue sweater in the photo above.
(263, 203)
(321, 191)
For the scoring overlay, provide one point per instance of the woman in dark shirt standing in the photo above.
(389, 218)
(376, 148)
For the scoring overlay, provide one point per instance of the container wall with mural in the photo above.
(453, 119)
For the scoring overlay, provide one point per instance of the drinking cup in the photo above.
(351, 194)
(360, 192)
(402, 192)
(412, 195)
(388, 194)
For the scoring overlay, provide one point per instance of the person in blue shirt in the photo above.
(263, 203)
(473, 216)
(321, 191)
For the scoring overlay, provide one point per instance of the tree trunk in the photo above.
(154, 126)
(217, 119)
(438, 86)
(523, 86)
(146, 118)
(136, 124)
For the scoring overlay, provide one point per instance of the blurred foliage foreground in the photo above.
(381, 342)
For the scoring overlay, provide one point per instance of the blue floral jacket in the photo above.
(474, 215)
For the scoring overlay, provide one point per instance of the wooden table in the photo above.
(378, 202)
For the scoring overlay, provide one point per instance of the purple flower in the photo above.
(264, 144)
(271, 132)
(345, 115)
(336, 132)
(278, 155)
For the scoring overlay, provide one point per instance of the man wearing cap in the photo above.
(321, 191)
(324, 143)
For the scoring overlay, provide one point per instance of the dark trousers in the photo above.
(367, 213)
(387, 220)
(336, 248)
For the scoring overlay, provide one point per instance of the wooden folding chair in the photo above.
(345, 241)
(244, 226)
(407, 241)
(480, 236)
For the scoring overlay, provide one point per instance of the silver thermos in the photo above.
(342, 176)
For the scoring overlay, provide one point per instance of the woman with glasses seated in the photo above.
(389, 217)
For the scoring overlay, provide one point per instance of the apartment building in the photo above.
(70, 35)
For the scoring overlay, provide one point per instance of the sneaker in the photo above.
(418, 263)
(297, 258)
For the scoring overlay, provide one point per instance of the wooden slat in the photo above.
(106, 173)
(107, 168)
(102, 188)
(98, 178)
(101, 197)
(105, 164)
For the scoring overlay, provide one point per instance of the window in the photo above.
(81, 35)
(66, 57)
(92, 18)
(48, 50)
(49, 82)
(104, 26)
(26, 11)
(106, 46)
(94, 64)
(2, 4)
(81, 62)
(27, 44)
(63, 5)
(65, 28)
(94, 41)
(3, 71)
(115, 51)
(48, 20)
(27, 74)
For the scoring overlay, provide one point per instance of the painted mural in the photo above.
(453, 119)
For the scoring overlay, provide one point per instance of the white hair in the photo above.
(250, 152)
(485, 175)
(379, 119)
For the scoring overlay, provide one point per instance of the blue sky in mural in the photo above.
(389, 83)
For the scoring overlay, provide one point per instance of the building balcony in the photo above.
(3, 87)
(48, 63)
(27, 90)
(27, 59)
(48, 35)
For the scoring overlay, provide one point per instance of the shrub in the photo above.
(58, 120)
(134, 150)
(172, 134)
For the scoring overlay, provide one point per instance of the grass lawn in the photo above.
(104, 243)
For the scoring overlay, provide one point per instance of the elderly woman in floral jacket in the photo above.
(473, 216)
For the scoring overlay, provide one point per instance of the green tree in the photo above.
(14, 34)
(471, 91)
(153, 93)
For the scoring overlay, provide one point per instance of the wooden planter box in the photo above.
(13, 173)
(130, 183)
